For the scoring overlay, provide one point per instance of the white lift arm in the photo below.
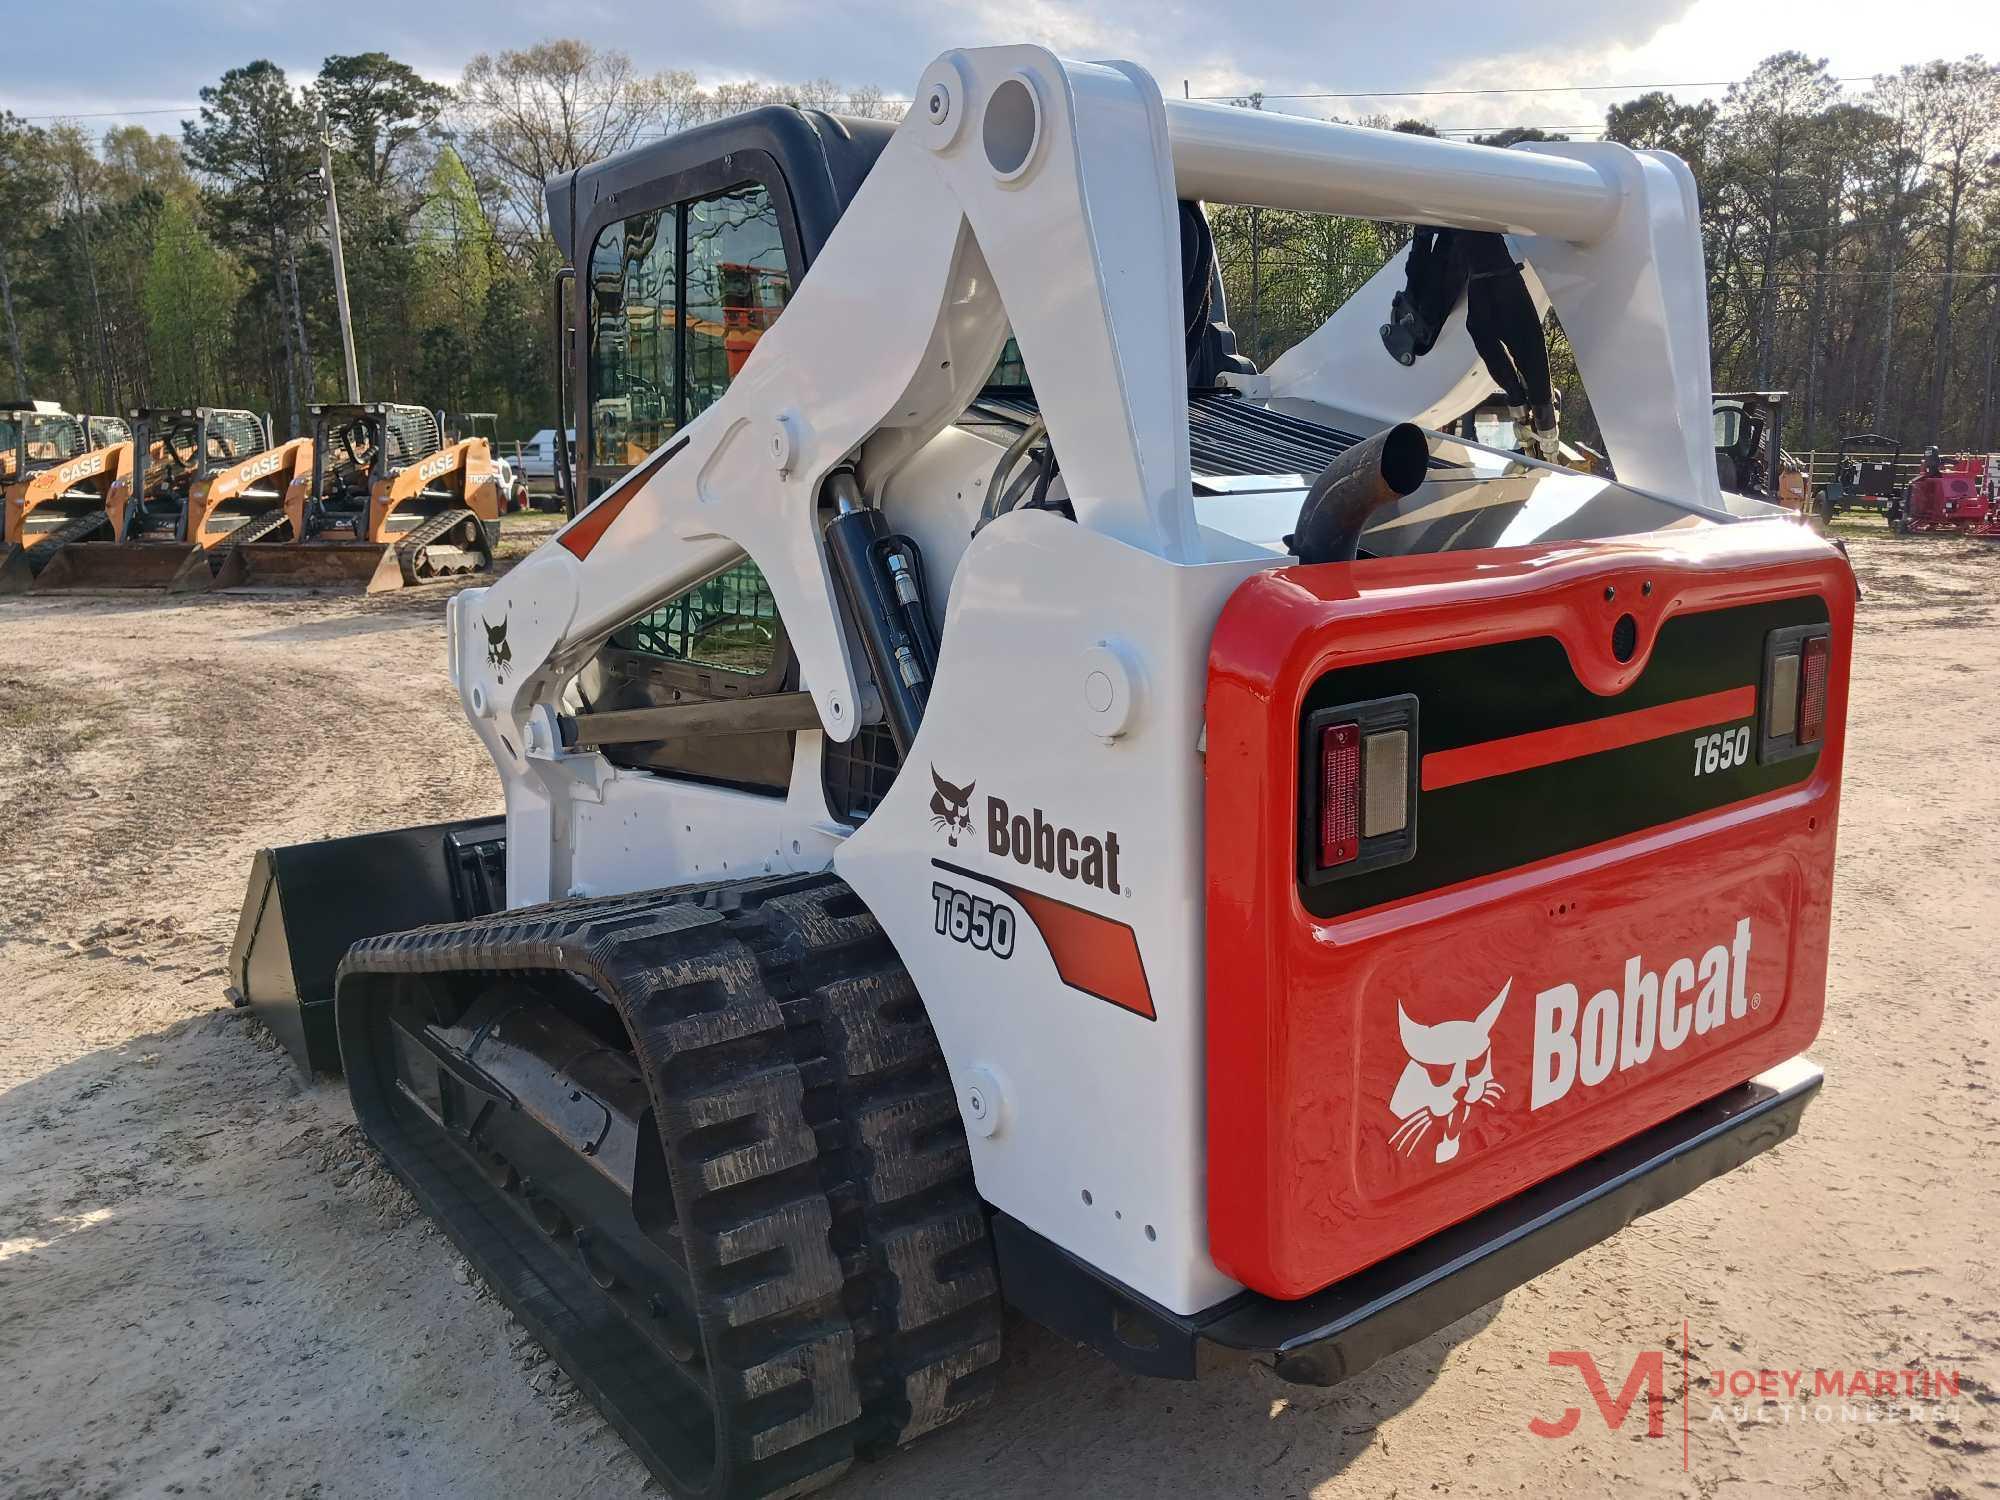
(1028, 193)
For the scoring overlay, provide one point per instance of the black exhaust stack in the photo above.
(1360, 481)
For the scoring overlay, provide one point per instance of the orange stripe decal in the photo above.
(587, 530)
(1094, 954)
(1547, 747)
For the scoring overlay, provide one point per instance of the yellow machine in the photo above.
(212, 481)
(245, 501)
(383, 501)
(62, 476)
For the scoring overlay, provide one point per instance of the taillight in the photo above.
(1796, 661)
(1812, 691)
(1358, 788)
(1339, 794)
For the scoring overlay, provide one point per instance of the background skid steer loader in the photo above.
(383, 503)
(1211, 864)
(67, 470)
(151, 547)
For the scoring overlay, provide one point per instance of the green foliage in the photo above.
(1852, 239)
(1284, 274)
(27, 193)
(191, 292)
(456, 259)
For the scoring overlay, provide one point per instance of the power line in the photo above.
(112, 114)
(475, 105)
(1553, 88)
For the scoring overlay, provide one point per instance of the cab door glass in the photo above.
(678, 298)
(634, 321)
(737, 284)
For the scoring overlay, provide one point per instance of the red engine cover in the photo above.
(1606, 919)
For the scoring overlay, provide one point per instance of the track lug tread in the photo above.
(823, 1204)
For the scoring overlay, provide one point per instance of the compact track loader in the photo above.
(1194, 852)
(66, 472)
(383, 503)
(213, 481)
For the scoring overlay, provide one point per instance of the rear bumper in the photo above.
(1327, 1337)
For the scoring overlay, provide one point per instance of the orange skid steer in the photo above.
(212, 480)
(381, 501)
(63, 473)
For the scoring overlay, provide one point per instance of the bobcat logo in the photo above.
(498, 656)
(951, 807)
(1450, 1071)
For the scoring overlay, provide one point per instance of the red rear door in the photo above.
(1587, 889)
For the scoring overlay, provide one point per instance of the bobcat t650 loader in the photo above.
(380, 500)
(63, 486)
(212, 481)
(1206, 860)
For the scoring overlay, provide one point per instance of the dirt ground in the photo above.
(208, 1288)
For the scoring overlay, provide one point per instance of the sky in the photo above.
(161, 52)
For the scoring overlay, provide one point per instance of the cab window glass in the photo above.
(1010, 369)
(634, 297)
(678, 299)
(737, 285)
(729, 623)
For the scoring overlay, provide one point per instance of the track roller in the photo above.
(448, 543)
(703, 1143)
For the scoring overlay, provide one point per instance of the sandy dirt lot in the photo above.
(207, 1287)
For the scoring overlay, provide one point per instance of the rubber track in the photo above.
(253, 530)
(821, 1182)
(922, 1291)
(43, 550)
(411, 545)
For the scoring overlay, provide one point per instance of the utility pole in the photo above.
(339, 260)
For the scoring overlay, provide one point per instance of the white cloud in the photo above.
(1279, 46)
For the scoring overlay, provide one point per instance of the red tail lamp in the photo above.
(1340, 794)
(1812, 690)
(1358, 788)
(1796, 662)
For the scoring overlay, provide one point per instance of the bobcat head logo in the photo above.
(951, 807)
(498, 656)
(1449, 1074)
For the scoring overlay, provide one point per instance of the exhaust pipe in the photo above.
(1360, 481)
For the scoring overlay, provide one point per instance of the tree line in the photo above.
(1852, 246)
(1852, 239)
(146, 269)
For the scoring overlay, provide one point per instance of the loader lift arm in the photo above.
(942, 253)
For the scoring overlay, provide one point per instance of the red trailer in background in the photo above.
(1963, 495)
